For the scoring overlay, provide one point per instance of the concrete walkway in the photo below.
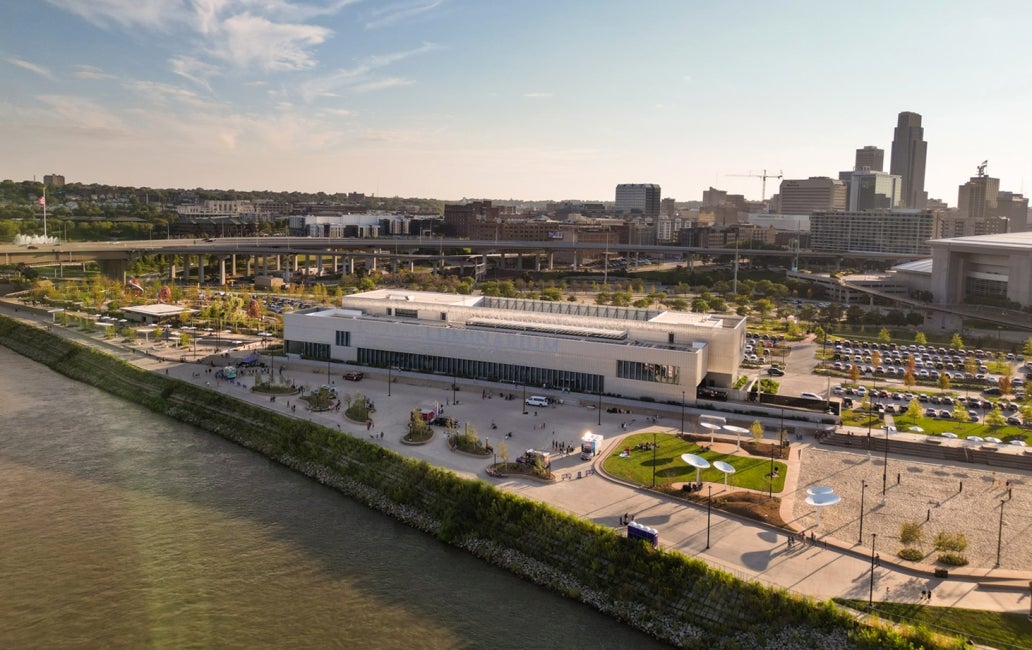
(831, 568)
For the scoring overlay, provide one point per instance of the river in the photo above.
(120, 528)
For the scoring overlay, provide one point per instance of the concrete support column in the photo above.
(232, 264)
(371, 262)
(537, 261)
(551, 261)
(319, 264)
(172, 273)
(222, 271)
(412, 265)
(519, 261)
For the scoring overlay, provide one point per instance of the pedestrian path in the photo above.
(746, 549)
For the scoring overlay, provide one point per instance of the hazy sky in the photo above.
(528, 99)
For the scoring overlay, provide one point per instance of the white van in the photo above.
(811, 396)
(536, 400)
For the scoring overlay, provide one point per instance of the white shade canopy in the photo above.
(823, 500)
(948, 434)
(727, 468)
(820, 489)
(698, 462)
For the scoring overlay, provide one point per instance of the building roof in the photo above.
(917, 266)
(161, 310)
(1010, 240)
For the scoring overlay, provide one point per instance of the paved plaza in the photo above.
(837, 566)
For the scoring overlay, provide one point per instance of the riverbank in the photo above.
(672, 597)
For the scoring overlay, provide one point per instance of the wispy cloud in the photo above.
(156, 15)
(246, 40)
(91, 72)
(31, 67)
(362, 78)
(396, 13)
(82, 115)
(537, 95)
(194, 70)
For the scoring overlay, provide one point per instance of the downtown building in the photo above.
(909, 154)
(638, 198)
(814, 194)
(876, 231)
(585, 348)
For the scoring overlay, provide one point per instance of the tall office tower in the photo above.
(814, 194)
(871, 190)
(979, 197)
(870, 157)
(638, 198)
(909, 151)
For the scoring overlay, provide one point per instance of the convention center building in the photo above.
(586, 348)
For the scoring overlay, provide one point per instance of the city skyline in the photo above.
(453, 98)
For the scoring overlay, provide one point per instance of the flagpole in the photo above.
(44, 213)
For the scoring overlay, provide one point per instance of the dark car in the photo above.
(775, 372)
(354, 375)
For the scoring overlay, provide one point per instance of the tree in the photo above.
(854, 373)
(884, 336)
(960, 413)
(1005, 384)
(756, 429)
(908, 379)
(1027, 348)
(957, 343)
(944, 383)
(763, 307)
(995, 418)
(914, 410)
(503, 452)
(970, 366)
(700, 306)
(921, 339)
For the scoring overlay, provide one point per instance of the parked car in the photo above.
(774, 371)
(354, 375)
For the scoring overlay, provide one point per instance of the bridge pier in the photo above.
(114, 269)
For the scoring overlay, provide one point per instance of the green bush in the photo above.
(952, 559)
(358, 410)
(951, 542)
(911, 554)
(418, 429)
(910, 533)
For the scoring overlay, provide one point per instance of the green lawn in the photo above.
(750, 471)
(996, 629)
(935, 426)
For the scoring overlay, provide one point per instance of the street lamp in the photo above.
(863, 488)
(599, 409)
(389, 378)
(870, 595)
(999, 537)
(653, 461)
(682, 413)
(885, 464)
(524, 395)
(770, 490)
(709, 508)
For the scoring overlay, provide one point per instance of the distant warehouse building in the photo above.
(881, 231)
(584, 348)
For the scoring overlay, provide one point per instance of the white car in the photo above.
(810, 396)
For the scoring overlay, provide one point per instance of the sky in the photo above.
(507, 99)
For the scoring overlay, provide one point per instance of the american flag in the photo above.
(43, 200)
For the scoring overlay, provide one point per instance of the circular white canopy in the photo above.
(915, 429)
(727, 468)
(948, 434)
(698, 462)
(710, 425)
(975, 439)
(820, 489)
(735, 429)
(823, 500)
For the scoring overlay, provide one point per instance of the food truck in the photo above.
(591, 445)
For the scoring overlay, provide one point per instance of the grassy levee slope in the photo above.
(668, 595)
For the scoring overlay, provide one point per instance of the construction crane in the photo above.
(764, 176)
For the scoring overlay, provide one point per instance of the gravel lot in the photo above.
(929, 494)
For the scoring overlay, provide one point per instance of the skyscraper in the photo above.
(639, 198)
(814, 194)
(909, 151)
(870, 157)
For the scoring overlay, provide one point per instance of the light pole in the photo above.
(389, 378)
(599, 409)
(653, 461)
(709, 508)
(682, 413)
(863, 488)
(999, 536)
(885, 463)
(770, 490)
(870, 595)
(524, 395)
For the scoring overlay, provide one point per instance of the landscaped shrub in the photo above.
(358, 410)
(955, 542)
(418, 429)
(911, 554)
(910, 533)
(953, 559)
